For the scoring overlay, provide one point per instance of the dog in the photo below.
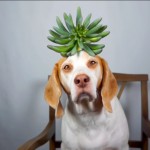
(93, 118)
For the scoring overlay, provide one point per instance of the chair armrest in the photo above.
(146, 126)
(41, 139)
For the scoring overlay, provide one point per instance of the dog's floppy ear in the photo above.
(109, 86)
(53, 91)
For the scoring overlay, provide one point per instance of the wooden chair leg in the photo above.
(52, 145)
(144, 142)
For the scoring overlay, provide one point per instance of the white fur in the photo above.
(79, 67)
(93, 130)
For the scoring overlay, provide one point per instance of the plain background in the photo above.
(25, 61)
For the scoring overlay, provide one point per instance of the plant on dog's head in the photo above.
(74, 39)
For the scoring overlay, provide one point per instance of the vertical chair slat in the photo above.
(123, 84)
(144, 97)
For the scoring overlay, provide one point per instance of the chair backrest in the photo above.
(48, 134)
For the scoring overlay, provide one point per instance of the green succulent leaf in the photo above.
(94, 23)
(94, 29)
(87, 21)
(88, 50)
(60, 31)
(74, 38)
(60, 24)
(93, 35)
(71, 43)
(71, 22)
(54, 34)
(96, 46)
(60, 48)
(79, 17)
(101, 29)
(67, 21)
(93, 39)
(73, 51)
(98, 51)
(59, 41)
(64, 54)
(80, 43)
(103, 34)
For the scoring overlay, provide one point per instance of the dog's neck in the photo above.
(85, 107)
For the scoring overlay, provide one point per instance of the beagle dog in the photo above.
(93, 118)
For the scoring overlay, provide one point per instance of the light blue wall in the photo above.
(25, 61)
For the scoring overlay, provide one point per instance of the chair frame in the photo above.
(48, 134)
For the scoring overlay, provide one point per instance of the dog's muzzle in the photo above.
(82, 80)
(84, 97)
(82, 83)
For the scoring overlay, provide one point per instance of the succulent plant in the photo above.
(80, 37)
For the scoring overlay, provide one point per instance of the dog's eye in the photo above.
(67, 68)
(92, 64)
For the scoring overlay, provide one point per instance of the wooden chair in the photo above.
(48, 134)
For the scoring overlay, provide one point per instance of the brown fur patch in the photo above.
(53, 89)
(109, 86)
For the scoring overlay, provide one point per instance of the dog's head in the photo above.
(84, 78)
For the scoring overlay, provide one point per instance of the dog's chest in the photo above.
(92, 126)
(93, 131)
(86, 130)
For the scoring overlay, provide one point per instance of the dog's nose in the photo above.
(81, 80)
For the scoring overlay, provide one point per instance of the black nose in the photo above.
(81, 80)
